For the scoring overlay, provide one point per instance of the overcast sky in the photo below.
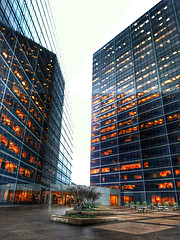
(84, 26)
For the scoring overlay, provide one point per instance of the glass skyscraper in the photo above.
(135, 136)
(35, 121)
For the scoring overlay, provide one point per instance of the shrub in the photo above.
(144, 203)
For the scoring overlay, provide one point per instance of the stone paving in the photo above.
(33, 222)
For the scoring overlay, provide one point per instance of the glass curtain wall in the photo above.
(32, 105)
(136, 109)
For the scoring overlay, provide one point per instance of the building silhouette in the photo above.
(135, 135)
(35, 121)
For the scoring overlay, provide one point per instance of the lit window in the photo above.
(104, 170)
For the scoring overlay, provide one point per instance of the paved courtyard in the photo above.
(31, 223)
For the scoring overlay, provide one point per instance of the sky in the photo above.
(84, 26)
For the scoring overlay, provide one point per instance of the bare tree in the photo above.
(91, 195)
(83, 196)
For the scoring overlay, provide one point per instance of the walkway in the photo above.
(32, 223)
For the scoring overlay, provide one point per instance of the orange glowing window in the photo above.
(120, 109)
(129, 130)
(128, 122)
(24, 154)
(21, 171)
(16, 90)
(128, 187)
(96, 107)
(164, 35)
(29, 123)
(92, 134)
(177, 172)
(151, 124)
(108, 129)
(128, 140)
(18, 74)
(95, 171)
(20, 114)
(146, 164)
(107, 169)
(95, 140)
(126, 100)
(95, 114)
(96, 96)
(108, 136)
(125, 177)
(103, 179)
(165, 185)
(107, 152)
(174, 117)
(5, 119)
(10, 167)
(106, 109)
(95, 102)
(132, 113)
(126, 199)
(115, 169)
(148, 98)
(32, 159)
(114, 187)
(92, 148)
(108, 115)
(140, 94)
(131, 166)
(165, 173)
(107, 122)
(95, 119)
(14, 148)
(4, 141)
(178, 184)
(27, 173)
(137, 176)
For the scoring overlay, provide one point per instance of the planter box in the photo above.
(93, 213)
(81, 221)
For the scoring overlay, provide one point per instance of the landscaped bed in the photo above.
(81, 219)
(85, 211)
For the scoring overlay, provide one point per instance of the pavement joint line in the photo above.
(154, 223)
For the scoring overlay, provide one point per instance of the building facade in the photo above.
(135, 136)
(35, 121)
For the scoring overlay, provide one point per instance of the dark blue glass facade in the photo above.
(35, 139)
(136, 109)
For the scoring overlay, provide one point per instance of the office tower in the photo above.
(136, 109)
(35, 122)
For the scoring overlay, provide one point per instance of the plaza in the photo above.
(33, 222)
